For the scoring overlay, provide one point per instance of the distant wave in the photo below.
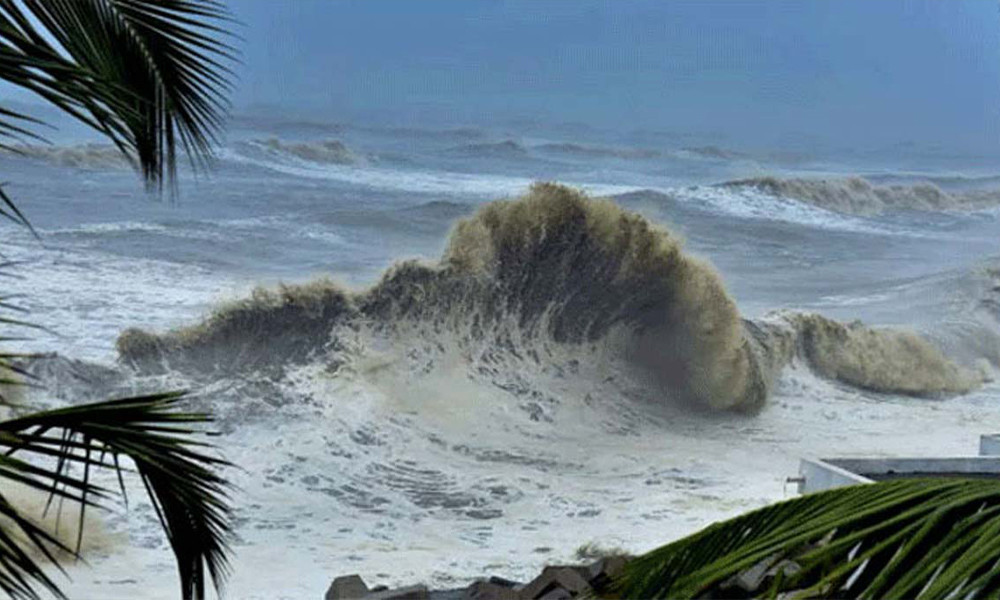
(748, 202)
(599, 151)
(439, 209)
(504, 149)
(82, 156)
(321, 152)
(558, 279)
(274, 123)
(424, 181)
(714, 152)
(455, 133)
(113, 227)
(416, 181)
(857, 196)
(950, 182)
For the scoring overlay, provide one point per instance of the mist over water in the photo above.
(457, 326)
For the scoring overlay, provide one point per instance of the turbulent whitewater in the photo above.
(549, 370)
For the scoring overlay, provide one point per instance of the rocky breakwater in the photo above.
(554, 583)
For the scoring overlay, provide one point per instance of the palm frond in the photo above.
(142, 72)
(179, 475)
(17, 568)
(149, 75)
(932, 538)
(12, 373)
(9, 210)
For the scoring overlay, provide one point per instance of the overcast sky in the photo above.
(860, 72)
(878, 71)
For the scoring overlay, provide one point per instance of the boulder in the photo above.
(556, 593)
(486, 590)
(413, 592)
(601, 573)
(449, 594)
(348, 587)
(504, 582)
(571, 580)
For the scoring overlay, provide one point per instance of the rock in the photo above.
(486, 590)
(348, 587)
(571, 580)
(413, 592)
(449, 594)
(750, 580)
(601, 573)
(504, 582)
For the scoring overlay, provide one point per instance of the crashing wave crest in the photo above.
(322, 151)
(858, 196)
(558, 270)
(883, 360)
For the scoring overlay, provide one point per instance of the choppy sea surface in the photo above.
(410, 448)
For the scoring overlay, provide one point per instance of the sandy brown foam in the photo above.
(558, 267)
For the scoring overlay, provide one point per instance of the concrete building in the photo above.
(817, 474)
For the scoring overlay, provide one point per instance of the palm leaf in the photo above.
(145, 73)
(932, 538)
(17, 568)
(181, 478)
(12, 372)
(149, 75)
(9, 210)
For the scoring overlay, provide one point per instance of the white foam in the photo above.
(670, 476)
(112, 227)
(88, 297)
(427, 182)
(753, 204)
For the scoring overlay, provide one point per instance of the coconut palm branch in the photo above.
(69, 444)
(910, 538)
(148, 74)
(152, 77)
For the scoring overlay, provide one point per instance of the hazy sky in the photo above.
(853, 70)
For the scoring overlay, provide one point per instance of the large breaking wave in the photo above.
(556, 277)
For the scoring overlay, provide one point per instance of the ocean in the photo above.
(430, 369)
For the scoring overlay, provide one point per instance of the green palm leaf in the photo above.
(148, 74)
(151, 76)
(180, 476)
(927, 538)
